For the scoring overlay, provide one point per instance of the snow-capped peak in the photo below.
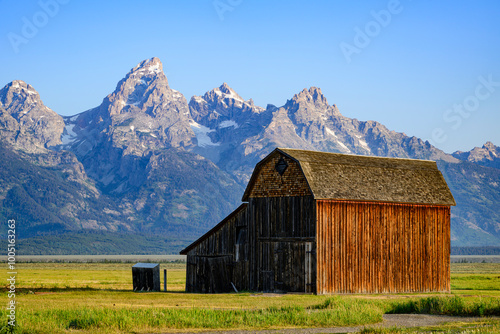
(147, 67)
(227, 92)
(21, 87)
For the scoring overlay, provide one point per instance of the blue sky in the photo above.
(425, 68)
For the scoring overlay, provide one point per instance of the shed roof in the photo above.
(213, 229)
(145, 265)
(366, 178)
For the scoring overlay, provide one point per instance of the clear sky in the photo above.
(425, 68)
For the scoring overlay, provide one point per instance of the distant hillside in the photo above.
(96, 243)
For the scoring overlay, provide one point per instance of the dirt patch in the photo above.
(267, 295)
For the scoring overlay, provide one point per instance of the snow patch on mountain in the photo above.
(364, 144)
(227, 124)
(74, 118)
(343, 146)
(69, 135)
(201, 133)
(330, 131)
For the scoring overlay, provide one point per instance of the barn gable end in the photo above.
(278, 175)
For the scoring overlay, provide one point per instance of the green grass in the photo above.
(98, 298)
(454, 306)
(110, 320)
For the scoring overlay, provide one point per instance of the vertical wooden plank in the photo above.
(421, 272)
(447, 247)
(407, 247)
(418, 234)
(324, 248)
(395, 268)
(414, 249)
(439, 242)
(346, 247)
(434, 254)
(320, 246)
(340, 249)
(358, 243)
(352, 244)
(325, 227)
(371, 249)
(398, 264)
(390, 241)
(383, 237)
(361, 243)
(336, 224)
(349, 233)
(319, 211)
(327, 260)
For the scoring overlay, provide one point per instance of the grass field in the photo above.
(98, 298)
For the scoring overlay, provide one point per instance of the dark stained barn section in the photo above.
(220, 256)
(325, 223)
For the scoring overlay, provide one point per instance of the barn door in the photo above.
(292, 266)
(267, 266)
(287, 266)
(280, 264)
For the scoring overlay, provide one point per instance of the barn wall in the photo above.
(365, 247)
(221, 259)
(269, 183)
(283, 230)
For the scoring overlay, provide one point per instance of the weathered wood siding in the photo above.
(146, 279)
(209, 274)
(367, 247)
(221, 258)
(283, 230)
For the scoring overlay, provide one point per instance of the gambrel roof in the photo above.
(366, 178)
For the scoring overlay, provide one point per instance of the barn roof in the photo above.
(365, 178)
(213, 229)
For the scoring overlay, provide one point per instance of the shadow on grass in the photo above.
(40, 290)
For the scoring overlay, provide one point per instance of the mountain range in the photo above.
(148, 162)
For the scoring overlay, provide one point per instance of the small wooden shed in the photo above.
(325, 223)
(146, 277)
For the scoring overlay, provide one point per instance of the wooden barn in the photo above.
(325, 223)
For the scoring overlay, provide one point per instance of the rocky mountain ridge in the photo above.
(487, 155)
(306, 121)
(25, 122)
(158, 164)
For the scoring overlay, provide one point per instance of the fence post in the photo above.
(165, 280)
